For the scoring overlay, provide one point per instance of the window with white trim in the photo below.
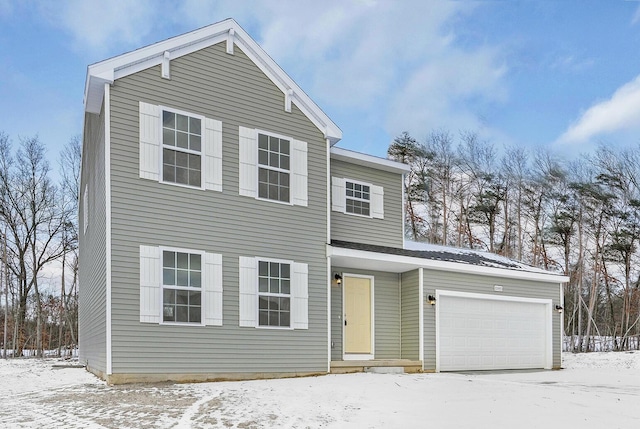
(181, 149)
(181, 287)
(274, 294)
(357, 198)
(273, 168)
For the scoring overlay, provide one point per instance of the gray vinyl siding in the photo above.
(359, 229)
(232, 89)
(410, 306)
(92, 265)
(386, 295)
(484, 284)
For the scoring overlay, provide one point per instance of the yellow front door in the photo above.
(357, 317)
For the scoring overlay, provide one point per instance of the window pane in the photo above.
(284, 162)
(169, 276)
(182, 278)
(263, 284)
(274, 159)
(169, 296)
(285, 319)
(194, 178)
(182, 175)
(168, 259)
(263, 175)
(168, 173)
(194, 126)
(284, 194)
(273, 192)
(285, 304)
(263, 318)
(263, 268)
(194, 279)
(194, 143)
(263, 303)
(284, 147)
(168, 119)
(274, 320)
(274, 144)
(195, 261)
(263, 157)
(263, 190)
(194, 298)
(195, 314)
(285, 287)
(182, 122)
(182, 159)
(169, 156)
(283, 179)
(182, 297)
(168, 137)
(274, 269)
(182, 314)
(168, 314)
(263, 142)
(274, 286)
(182, 140)
(183, 260)
(285, 270)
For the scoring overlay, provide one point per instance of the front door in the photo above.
(357, 315)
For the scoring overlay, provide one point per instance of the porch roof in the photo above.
(381, 258)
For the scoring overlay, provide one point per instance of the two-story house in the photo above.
(223, 235)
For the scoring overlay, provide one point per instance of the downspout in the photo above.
(328, 179)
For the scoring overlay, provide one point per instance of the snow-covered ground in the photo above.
(593, 391)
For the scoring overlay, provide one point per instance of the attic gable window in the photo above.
(181, 149)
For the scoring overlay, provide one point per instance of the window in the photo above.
(273, 168)
(274, 294)
(181, 287)
(358, 198)
(181, 149)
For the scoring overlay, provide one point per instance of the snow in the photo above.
(593, 391)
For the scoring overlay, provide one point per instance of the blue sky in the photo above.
(557, 74)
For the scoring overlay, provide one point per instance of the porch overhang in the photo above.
(395, 263)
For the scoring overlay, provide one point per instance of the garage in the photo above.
(492, 332)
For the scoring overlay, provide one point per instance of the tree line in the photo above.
(38, 248)
(580, 218)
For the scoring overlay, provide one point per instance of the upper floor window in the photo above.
(273, 167)
(181, 149)
(358, 198)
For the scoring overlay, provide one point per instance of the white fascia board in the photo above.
(149, 56)
(410, 263)
(369, 160)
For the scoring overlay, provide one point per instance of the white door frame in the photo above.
(548, 322)
(359, 356)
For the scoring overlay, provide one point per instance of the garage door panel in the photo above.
(483, 334)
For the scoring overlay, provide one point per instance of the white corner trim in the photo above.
(107, 181)
(421, 315)
(329, 314)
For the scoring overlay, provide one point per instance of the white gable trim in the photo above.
(228, 31)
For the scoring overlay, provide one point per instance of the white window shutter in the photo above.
(248, 151)
(300, 296)
(248, 291)
(150, 287)
(213, 289)
(213, 154)
(149, 141)
(299, 192)
(338, 196)
(377, 202)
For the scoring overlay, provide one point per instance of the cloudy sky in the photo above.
(559, 74)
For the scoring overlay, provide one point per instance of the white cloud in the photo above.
(100, 26)
(636, 16)
(618, 113)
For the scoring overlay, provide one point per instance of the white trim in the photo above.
(329, 267)
(365, 160)
(230, 36)
(359, 356)
(166, 65)
(328, 198)
(107, 182)
(399, 263)
(421, 316)
(370, 200)
(140, 59)
(510, 298)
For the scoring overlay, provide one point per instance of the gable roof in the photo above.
(441, 258)
(228, 31)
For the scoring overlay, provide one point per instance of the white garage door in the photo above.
(482, 332)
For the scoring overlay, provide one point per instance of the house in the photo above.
(224, 235)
